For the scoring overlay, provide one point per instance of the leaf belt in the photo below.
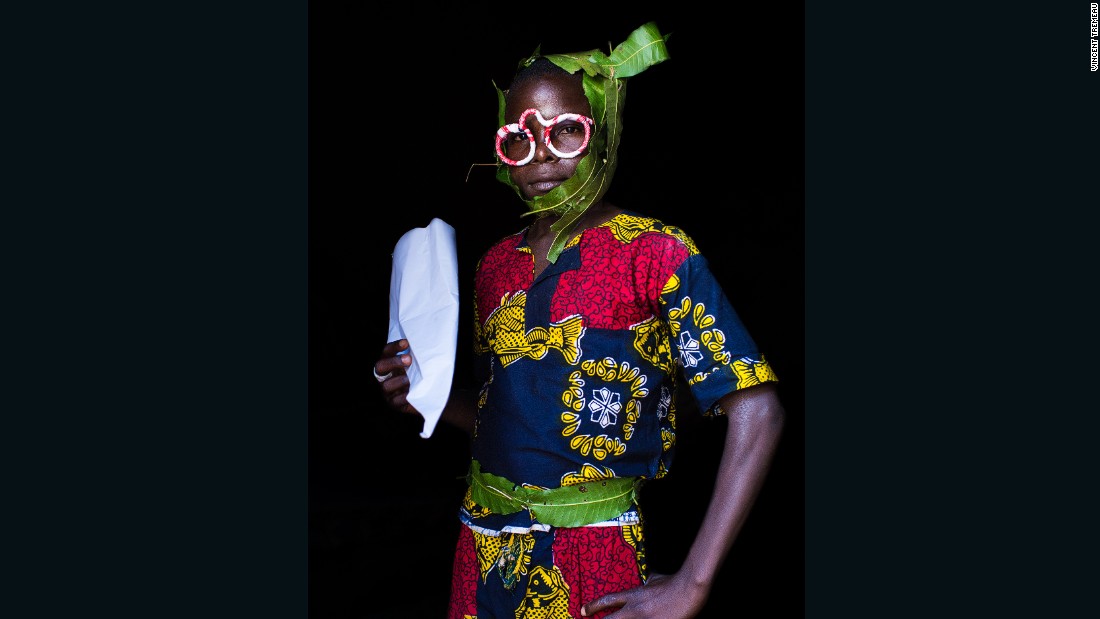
(567, 506)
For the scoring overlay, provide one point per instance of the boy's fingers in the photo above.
(611, 600)
(394, 347)
(397, 385)
(394, 364)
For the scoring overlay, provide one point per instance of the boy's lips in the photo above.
(544, 186)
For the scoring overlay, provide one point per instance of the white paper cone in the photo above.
(424, 311)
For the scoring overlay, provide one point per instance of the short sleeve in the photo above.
(708, 340)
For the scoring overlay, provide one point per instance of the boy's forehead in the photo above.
(549, 95)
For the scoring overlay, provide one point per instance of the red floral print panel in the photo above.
(618, 283)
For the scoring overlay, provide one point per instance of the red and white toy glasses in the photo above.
(561, 134)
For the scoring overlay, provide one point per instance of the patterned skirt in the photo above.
(537, 574)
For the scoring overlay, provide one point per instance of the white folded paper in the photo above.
(424, 311)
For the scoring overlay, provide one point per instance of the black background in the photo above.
(712, 142)
(156, 298)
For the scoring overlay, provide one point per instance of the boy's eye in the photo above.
(516, 145)
(567, 137)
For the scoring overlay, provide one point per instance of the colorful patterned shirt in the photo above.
(579, 365)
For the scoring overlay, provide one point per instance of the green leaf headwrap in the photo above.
(605, 87)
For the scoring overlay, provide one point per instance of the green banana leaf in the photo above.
(594, 62)
(644, 48)
(568, 506)
(500, 105)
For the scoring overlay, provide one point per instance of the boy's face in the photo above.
(553, 95)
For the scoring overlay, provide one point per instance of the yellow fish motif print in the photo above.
(626, 228)
(651, 342)
(505, 333)
(547, 596)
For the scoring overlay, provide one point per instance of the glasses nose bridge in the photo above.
(533, 120)
(542, 151)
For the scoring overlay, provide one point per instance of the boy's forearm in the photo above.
(755, 419)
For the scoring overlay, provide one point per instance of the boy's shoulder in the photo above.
(629, 226)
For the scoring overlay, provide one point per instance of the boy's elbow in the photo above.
(770, 414)
(758, 407)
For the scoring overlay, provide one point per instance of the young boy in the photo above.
(586, 322)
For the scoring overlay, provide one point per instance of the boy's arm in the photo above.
(755, 423)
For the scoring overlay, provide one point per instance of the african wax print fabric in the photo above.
(540, 574)
(579, 368)
(580, 364)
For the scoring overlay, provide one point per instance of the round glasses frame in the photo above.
(521, 127)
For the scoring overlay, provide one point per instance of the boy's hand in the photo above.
(662, 597)
(389, 370)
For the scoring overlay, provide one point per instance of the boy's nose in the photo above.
(542, 153)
